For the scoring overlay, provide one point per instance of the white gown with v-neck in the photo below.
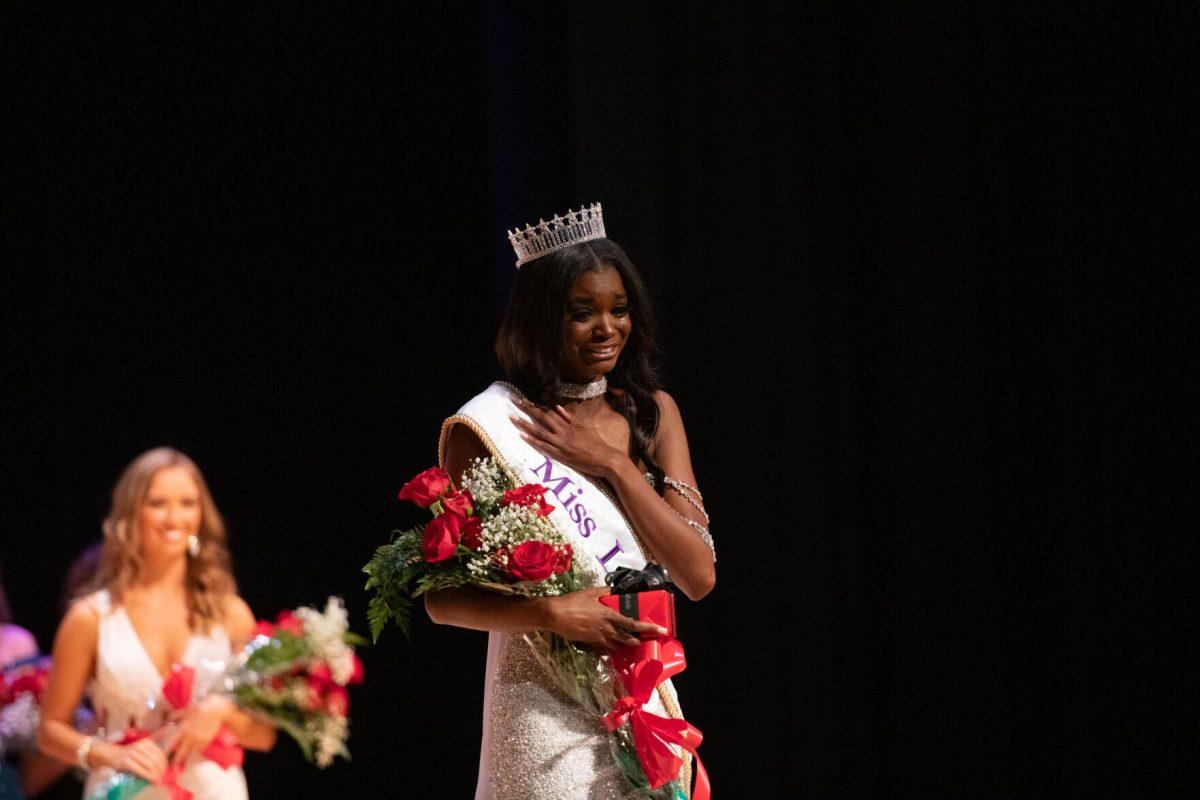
(127, 692)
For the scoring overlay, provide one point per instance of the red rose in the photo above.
(459, 502)
(277, 682)
(562, 561)
(319, 676)
(356, 676)
(314, 700)
(337, 702)
(426, 487)
(33, 683)
(531, 494)
(472, 533)
(532, 561)
(285, 621)
(264, 628)
(440, 540)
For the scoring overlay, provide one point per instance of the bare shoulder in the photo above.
(239, 619)
(670, 441)
(670, 420)
(666, 405)
(82, 620)
(463, 446)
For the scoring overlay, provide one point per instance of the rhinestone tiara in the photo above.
(546, 237)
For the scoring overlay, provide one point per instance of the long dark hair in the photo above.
(529, 345)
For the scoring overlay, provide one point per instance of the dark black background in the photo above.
(880, 242)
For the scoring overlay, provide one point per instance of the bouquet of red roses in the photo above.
(492, 533)
(295, 671)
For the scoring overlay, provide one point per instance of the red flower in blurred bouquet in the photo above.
(287, 622)
(531, 494)
(31, 680)
(356, 675)
(427, 487)
(337, 701)
(320, 676)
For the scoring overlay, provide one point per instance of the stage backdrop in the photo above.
(275, 240)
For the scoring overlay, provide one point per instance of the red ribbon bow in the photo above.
(642, 668)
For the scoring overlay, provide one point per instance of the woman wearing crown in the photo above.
(583, 415)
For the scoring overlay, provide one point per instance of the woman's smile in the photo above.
(602, 352)
(597, 324)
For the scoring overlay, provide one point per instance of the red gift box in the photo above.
(657, 607)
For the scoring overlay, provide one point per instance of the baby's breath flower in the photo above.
(327, 635)
(488, 479)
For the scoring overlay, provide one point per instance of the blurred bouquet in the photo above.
(493, 533)
(20, 700)
(294, 673)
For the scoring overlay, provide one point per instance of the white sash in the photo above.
(584, 510)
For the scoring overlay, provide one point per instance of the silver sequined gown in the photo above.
(537, 745)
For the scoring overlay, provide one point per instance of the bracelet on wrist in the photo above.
(83, 751)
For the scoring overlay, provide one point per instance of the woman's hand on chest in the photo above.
(590, 448)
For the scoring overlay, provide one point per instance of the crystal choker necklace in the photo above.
(584, 391)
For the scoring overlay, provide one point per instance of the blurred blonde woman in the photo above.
(166, 596)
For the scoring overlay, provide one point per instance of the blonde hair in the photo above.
(209, 577)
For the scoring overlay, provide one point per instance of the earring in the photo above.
(193, 545)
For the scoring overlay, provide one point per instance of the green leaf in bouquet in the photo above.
(384, 607)
(444, 579)
(354, 640)
(391, 573)
(281, 651)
